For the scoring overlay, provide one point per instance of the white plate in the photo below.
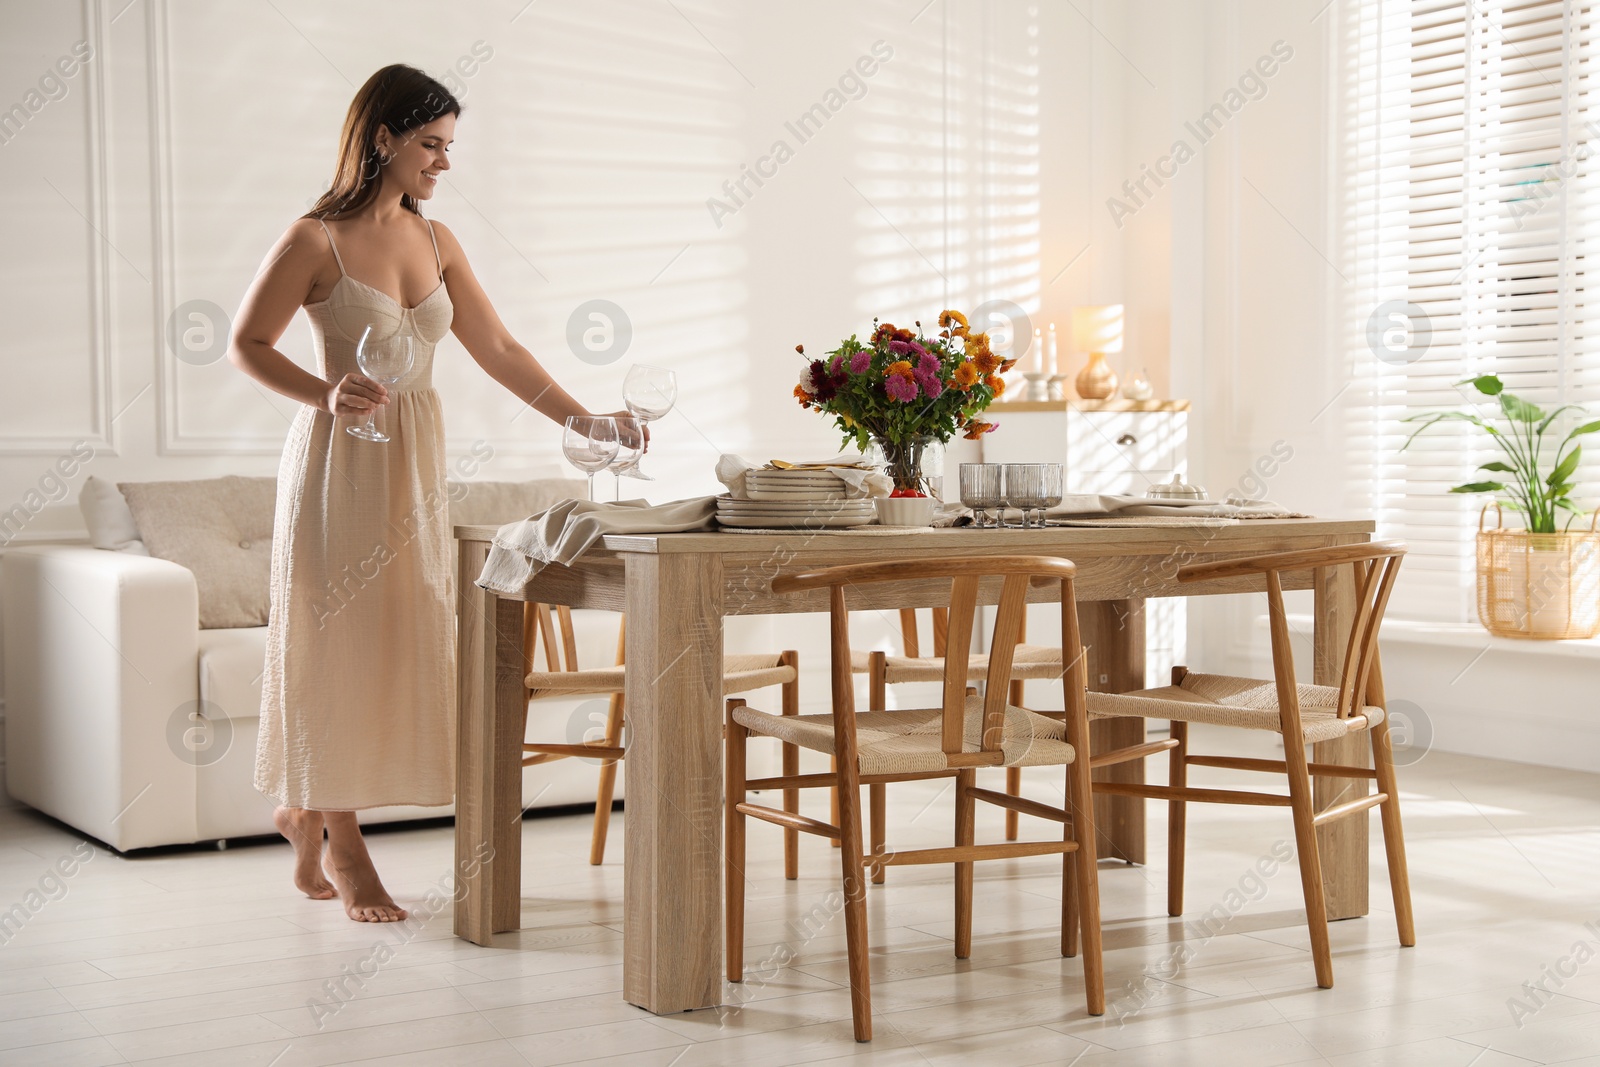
(799, 502)
(791, 519)
(792, 523)
(756, 512)
(830, 482)
(760, 472)
(817, 493)
(796, 507)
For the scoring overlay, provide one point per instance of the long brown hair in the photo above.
(402, 98)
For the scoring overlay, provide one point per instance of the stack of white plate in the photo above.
(794, 485)
(798, 514)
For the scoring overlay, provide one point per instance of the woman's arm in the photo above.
(489, 342)
(277, 292)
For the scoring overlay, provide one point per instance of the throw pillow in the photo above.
(107, 518)
(221, 529)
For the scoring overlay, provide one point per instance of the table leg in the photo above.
(672, 877)
(1342, 844)
(490, 709)
(1113, 631)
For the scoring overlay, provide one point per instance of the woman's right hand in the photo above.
(355, 395)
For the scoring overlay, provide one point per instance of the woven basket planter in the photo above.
(1539, 586)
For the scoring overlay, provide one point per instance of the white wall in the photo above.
(594, 133)
(1259, 267)
(978, 165)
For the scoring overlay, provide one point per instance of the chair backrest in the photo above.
(965, 576)
(1374, 567)
(941, 631)
(538, 622)
(910, 644)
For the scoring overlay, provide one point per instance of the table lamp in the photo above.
(1097, 330)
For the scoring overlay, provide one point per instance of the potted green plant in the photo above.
(1542, 581)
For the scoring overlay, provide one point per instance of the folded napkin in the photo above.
(1234, 507)
(1088, 506)
(562, 533)
(859, 480)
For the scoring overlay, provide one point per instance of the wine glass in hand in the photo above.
(386, 362)
(649, 393)
(590, 443)
(630, 449)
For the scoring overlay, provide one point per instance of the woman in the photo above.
(357, 707)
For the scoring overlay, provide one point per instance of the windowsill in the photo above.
(1471, 635)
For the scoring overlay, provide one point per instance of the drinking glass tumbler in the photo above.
(1054, 478)
(981, 489)
(1024, 488)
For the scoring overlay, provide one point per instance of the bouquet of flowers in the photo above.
(901, 388)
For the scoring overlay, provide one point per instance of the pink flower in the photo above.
(834, 364)
(928, 365)
(907, 348)
(931, 385)
(861, 362)
(900, 389)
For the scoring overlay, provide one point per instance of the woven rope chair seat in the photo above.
(740, 674)
(908, 741)
(1242, 702)
(1029, 662)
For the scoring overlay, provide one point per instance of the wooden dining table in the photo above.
(677, 588)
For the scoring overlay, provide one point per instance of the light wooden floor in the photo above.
(204, 957)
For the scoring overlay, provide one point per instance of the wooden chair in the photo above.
(965, 733)
(1028, 662)
(564, 678)
(1303, 714)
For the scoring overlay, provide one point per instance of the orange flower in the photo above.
(900, 367)
(801, 395)
(996, 383)
(977, 342)
(1007, 365)
(976, 429)
(966, 375)
(955, 322)
(986, 361)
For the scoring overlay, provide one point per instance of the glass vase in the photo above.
(914, 463)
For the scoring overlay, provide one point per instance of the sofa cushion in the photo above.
(231, 664)
(497, 503)
(107, 518)
(220, 529)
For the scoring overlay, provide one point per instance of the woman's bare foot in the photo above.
(303, 829)
(350, 867)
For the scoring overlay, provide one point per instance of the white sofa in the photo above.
(106, 668)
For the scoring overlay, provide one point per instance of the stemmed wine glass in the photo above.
(590, 444)
(385, 361)
(630, 449)
(649, 393)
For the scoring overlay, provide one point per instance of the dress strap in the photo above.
(437, 262)
(333, 246)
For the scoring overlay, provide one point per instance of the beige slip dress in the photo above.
(358, 696)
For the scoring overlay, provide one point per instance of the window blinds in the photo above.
(1470, 129)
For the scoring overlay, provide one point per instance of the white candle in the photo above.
(1050, 352)
(1038, 352)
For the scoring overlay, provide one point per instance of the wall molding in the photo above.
(101, 431)
(171, 439)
